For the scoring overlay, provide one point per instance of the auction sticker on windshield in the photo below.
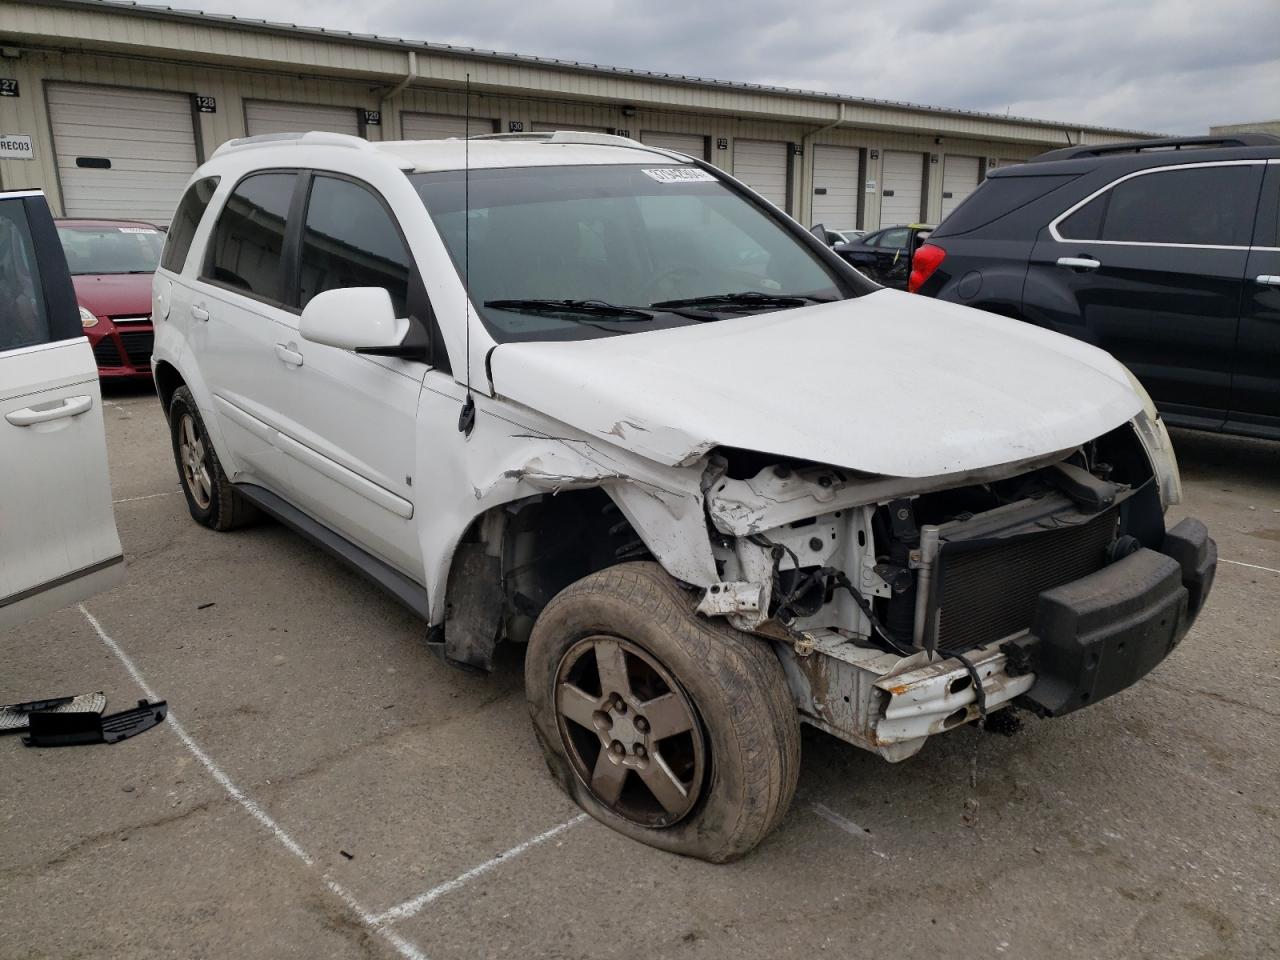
(679, 175)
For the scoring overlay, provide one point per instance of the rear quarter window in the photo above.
(998, 197)
(185, 221)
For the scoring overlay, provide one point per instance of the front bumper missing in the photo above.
(887, 703)
(1090, 639)
(1102, 633)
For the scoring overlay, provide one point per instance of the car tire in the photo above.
(735, 769)
(211, 497)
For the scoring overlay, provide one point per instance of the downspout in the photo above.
(806, 182)
(398, 89)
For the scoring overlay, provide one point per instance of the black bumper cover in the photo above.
(1097, 635)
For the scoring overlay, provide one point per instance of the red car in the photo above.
(111, 265)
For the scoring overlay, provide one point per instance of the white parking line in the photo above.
(377, 923)
(411, 907)
(405, 948)
(1251, 566)
(149, 496)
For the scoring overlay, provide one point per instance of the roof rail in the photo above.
(566, 136)
(318, 138)
(1172, 143)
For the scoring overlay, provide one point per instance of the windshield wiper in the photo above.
(595, 308)
(748, 298)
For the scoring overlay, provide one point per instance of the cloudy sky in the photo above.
(1162, 65)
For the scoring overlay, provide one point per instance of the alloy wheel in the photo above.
(191, 456)
(631, 732)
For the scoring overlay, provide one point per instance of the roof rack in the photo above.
(566, 136)
(319, 138)
(1172, 143)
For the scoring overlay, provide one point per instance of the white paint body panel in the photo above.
(911, 387)
(56, 518)
(147, 137)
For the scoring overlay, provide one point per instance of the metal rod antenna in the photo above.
(467, 415)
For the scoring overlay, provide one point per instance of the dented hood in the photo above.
(888, 383)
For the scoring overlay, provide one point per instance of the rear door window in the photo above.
(350, 240)
(1201, 206)
(183, 228)
(247, 246)
(24, 318)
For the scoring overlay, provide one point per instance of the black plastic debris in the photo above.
(15, 717)
(76, 728)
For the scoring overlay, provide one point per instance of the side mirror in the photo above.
(353, 318)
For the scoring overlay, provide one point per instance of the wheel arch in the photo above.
(168, 380)
(512, 558)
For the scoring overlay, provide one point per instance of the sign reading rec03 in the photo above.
(16, 146)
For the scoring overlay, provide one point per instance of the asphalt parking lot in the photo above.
(326, 788)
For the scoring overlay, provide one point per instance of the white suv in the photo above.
(601, 399)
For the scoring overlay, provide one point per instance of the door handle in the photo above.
(291, 357)
(1079, 263)
(1267, 279)
(69, 407)
(199, 313)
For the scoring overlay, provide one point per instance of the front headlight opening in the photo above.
(87, 319)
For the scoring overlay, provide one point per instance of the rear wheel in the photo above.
(671, 728)
(211, 498)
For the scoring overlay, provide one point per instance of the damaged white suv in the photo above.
(716, 480)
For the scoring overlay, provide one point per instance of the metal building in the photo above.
(109, 106)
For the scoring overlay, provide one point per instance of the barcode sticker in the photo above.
(138, 230)
(680, 175)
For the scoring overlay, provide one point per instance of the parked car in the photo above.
(885, 256)
(1164, 253)
(595, 398)
(58, 541)
(112, 262)
(833, 235)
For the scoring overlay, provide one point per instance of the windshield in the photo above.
(124, 249)
(595, 239)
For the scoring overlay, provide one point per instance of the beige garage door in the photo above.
(268, 116)
(903, 188)
(762, 165)
(959, 179)
(687, 143)
(835, 187)
(440, 126)
(120, 152)
(540, 127)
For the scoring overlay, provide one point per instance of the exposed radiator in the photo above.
(988, 591)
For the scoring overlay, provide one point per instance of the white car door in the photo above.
(58, 540)
(349, 423)
(240, 325)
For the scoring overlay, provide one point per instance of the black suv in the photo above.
(1165, 253)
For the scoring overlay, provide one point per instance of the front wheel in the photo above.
(671, 728)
